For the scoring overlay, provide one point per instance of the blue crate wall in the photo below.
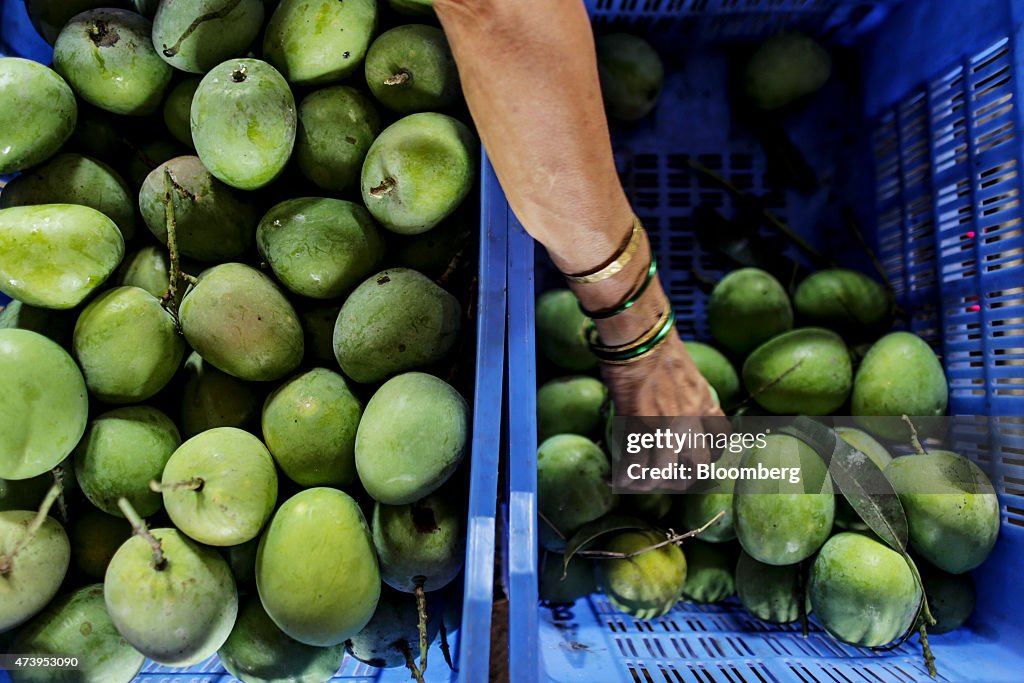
(936, 180)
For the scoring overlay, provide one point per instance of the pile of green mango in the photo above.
(783, 552)
(240, 256)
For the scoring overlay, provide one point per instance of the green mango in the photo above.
(313, 42)
(102, 135)
(318, 324)
(336, 127)
(148, 268)
(393, 627)
(952, 509)
(573, 485)
(127, 345)
(257, 651)
(309, 425)
(37, 113)
(717, 370)
(197, 36)
(54, 325)
(396, 320)
(570, 405)
(846, 517)
(411, 68)
(435, 251)
(316, 569)
(107, 57)
(785, 69)
(709, 572)
(747, 308)
(697, 507)
(770, 592)
(239, 321)
(242, 560)
(413, 435)
(36, 572)
(44, 403)
(413, 7)
(176, 613)
(211, 398)
(562, 331)
(805, 371)
(422, 542)
(95, 537)
(777, 521)
(54, 255)
(75, 179)
(243, 122)
(418, 171)
(146, 155)
(178, 109)
(900, 375)
(233, 487)
(565, 585)
(77, 624)
(320, 248)
(631, 75)
(50, 16)
(843, 300)
(122, 451)
(647, 585)
(213, 222)
(951, 598)
(862, 591)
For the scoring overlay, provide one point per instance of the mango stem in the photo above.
(139, 529)
(673, 539)
(914, 440)
(193, 484)
(384, 188)
(421, 611)
(400, 78)
(410, 662)
(62, 504)
(7, 560)
(929, 656)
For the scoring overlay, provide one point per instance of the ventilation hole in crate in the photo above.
(994, 138)
(1002, 173)
(1000, 232)
(640, 675)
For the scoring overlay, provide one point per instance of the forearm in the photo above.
(551, 152)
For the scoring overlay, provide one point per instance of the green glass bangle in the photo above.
(631, 354)
(652, 270)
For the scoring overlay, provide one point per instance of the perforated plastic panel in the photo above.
(927, 156)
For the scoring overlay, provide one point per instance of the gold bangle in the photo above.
(601, 351)
(639, 357)
(619, 261)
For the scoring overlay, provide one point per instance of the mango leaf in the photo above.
(859, 479)
(592, 531)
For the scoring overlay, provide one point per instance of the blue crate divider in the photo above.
(929, 151)
(470, 643)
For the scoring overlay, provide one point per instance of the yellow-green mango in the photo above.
(747, 308)
(410, 68)
(236, 318)
(197, 36)
(646, 585)
(33, 576)
(313, 42)
(806, 371)
(37, 113)
(127, 345)
(54, 255)
(44, 403)
(107, 57)
(243, 122)
(316, 569)
(336, 127)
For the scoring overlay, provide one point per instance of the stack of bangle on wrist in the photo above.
(650, 340)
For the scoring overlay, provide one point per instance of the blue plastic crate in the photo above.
(471, 642)
(929, 152)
